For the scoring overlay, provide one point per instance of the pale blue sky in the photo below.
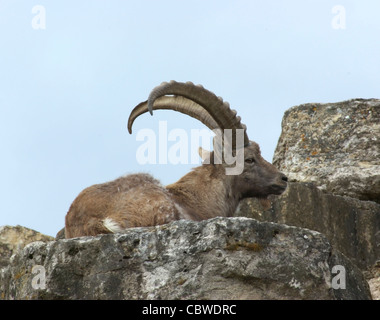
(66, 91)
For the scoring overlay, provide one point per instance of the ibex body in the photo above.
(205, 192)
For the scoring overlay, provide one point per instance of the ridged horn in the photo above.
(217, 110)
(176, 103)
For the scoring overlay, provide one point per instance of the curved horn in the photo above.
(175, 103)
(216, 108)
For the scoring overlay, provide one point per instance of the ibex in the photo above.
(207, 191)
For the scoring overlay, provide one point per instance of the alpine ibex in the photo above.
(207, 191)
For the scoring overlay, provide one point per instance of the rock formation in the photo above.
(351, 225)
(14, 238)
(334, 145)
(321, 235)
(221, 258)
(334, 148)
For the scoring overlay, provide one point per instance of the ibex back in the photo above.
(207, 191)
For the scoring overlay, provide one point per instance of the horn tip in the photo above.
(129, 127)
(150, 107)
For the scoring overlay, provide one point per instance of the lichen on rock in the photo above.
(334, 145)
(221, 258)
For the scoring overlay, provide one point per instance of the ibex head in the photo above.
(256, 177)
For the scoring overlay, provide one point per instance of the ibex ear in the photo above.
(205, 155)
(208, 157)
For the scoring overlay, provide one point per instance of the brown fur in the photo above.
(139, 200)
(124, 200)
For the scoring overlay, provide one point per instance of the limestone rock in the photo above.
(374, 281)
(221, 258)
(60, 234)
(14, 238)
(351, 225)
(334, 145)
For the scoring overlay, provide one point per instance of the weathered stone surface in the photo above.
(14, 238)
(374, 281)
(351, 225)
(60, 234)
(221, 258)
(334, 145)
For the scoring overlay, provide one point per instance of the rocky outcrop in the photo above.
(326, 226)
(221, 258)
(352, 226)
(14, 238)
(373, 274)
(334, 145)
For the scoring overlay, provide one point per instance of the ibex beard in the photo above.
(233, 171)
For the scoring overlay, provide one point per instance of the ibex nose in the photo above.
(284, 178)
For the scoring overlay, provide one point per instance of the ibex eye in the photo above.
(250, 160)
